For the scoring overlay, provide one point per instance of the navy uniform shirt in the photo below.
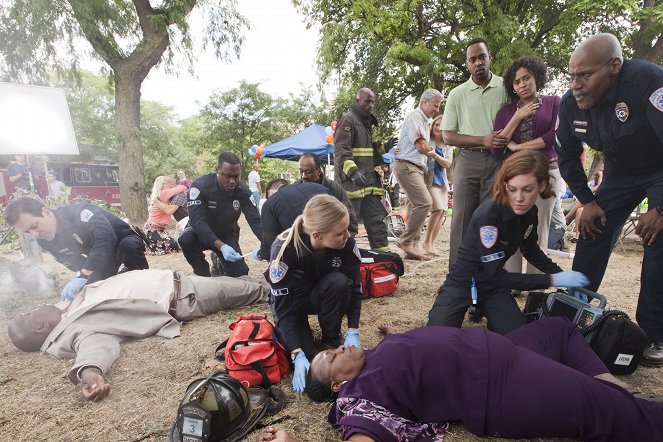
(213, 213)
(338, 192)
(295, 276)
(626, 125)
(86, 237)
(280, 210)
(493, 236)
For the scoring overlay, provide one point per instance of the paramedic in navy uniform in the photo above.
(215, 202)
(83, 237)
(314, 269)
(498, 228)
(616, 106)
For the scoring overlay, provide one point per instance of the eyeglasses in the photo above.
(584, 76)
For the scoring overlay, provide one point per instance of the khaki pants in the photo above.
(202, 296)
(411, 180)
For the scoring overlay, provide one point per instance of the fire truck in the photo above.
(85, 180)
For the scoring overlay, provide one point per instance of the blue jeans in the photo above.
(256, 199)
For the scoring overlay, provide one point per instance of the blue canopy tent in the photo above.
(309, 140)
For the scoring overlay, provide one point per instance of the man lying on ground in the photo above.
(540, 380)
(134, 304)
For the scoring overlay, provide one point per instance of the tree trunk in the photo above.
(130, 148)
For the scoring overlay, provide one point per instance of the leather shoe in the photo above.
(653, 355)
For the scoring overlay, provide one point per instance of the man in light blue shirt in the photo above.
(411, 164)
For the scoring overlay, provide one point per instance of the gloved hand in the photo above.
(569, 278)
(72, 288)
(391, 142)
(302, 365)
(352, 339)
(358, 178)
(255, 254)
(230, 254)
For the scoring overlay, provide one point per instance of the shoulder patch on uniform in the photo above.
(347, 128)
(86, 214)
(356, 251)
(193, 193)
(488, 235)
(277, 272)
(656, 99)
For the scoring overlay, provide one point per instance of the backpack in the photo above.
(379, 272)
(617, 341)
(253, 353)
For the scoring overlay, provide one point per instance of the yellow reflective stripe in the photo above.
(362, 151)
(347, 165)
(366, 191)
(382, 249)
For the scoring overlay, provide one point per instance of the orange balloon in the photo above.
(329, 139)
(259, 151)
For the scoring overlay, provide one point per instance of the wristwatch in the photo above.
(659, 210)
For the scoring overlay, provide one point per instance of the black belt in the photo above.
(478, 149)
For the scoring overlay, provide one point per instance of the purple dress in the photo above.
(536, 381)
(541, 124)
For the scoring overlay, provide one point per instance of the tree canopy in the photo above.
(399, 48)
(130, 37)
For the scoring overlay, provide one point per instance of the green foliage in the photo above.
(237, 119)
(399, 48)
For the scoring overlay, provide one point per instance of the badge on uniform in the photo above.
(277, 272)
(86, 215)
(236, 204)
(488, 236)
(336, 262)
(621, 111)
(193, 193)
(347, 128)
(656, 99)
(528, 231)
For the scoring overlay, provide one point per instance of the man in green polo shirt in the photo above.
(468, 120)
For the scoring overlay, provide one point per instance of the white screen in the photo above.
(35, 120)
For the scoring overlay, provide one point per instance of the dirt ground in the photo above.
(37, 402)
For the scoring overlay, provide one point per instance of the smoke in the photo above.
(23, 282)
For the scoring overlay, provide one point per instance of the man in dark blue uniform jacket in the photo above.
(616, 106)
(284, 203)
(84, 237)
(215, 202)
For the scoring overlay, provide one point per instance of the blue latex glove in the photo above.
(255, 254)
(72, 288)
(352, 339)
(569, 278)
(302, 365)
(230, 254)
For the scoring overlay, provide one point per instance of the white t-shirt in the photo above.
(254, 179)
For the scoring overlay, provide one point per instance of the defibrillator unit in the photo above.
(570, 305)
